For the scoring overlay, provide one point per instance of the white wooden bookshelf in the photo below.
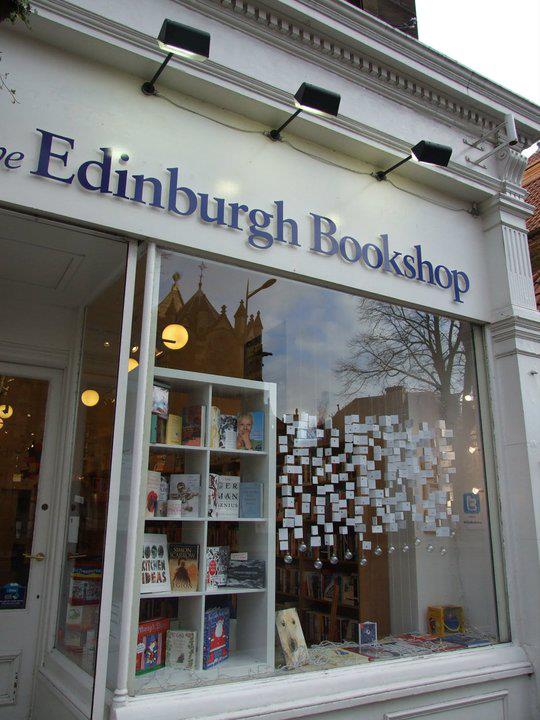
(252, 633)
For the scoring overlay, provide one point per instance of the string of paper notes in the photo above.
(342, 492)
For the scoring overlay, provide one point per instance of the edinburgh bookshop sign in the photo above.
(263, 228)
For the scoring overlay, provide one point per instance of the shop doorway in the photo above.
(29, 420)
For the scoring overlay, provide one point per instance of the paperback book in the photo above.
(181, 649)
(184, 567)
(250, 431)
(155, 564)
(151, 645)
(214, 426)
(160, 401)
(227, 431)
(223, 496)
(193, 419)
(173, 430)
(217, 562)
(216, 636)
(187, 489)
(251, 500)
(246, 574)
(153, 485)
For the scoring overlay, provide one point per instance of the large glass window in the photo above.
(345, 428)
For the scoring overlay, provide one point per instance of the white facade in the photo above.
(78, 73)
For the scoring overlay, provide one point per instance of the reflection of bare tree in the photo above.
(398, 345)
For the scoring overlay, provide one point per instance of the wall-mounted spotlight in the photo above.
(312, 99)
(424, 151)
(177, 39)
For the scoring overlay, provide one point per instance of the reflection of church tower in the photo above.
(214, 346)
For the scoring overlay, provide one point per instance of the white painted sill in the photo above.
(70, 680)
(302, 695)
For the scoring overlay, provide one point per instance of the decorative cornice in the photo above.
(512, 165)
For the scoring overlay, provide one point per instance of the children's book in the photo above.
(153, 485)
(160, 400)
(217, 563)
(250, 431)
(193, 419)
(181, 648)
(251, 500)
(173, 430)
(187, 488)
(151, 645)
(227, 431)
(155, 564)
(216, 636)
(223, 496)
(184, 567)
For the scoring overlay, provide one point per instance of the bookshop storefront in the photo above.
(253, 455)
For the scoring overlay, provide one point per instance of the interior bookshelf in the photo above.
(252, 609)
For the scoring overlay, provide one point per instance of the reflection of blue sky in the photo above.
(306, 327)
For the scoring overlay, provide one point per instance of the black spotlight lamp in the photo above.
(177, 39)
(312, 99)
(424, 151)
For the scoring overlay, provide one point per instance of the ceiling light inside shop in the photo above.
(132, 364)
(6, 411)
(175, 337)
(90, 398)
(468, 398)
(472, 449)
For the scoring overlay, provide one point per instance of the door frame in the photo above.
(47, 492)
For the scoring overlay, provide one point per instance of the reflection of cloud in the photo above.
(306, 327)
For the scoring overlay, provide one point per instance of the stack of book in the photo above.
(173, 429)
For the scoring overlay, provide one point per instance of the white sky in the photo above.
(496, 38)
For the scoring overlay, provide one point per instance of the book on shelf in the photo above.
(223, 496)
(227, 431)
(251, 500)
(193, 420)
(186, 487)
(163, 496)
(249, 574)
(151, 645)
(153, 484)
(217, 562)
(181, 647)
(214, 426)
(173, 430)
(250, 431)
(155, 564)
(160, 400)
(184, 567)
(216, 636)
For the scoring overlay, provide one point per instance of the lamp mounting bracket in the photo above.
(494, 136)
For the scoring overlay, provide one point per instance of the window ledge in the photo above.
(302, 695)
(69, 679)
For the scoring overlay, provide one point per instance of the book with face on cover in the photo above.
(184, 567)
(155, 564)
(250, 431)
(223, 496)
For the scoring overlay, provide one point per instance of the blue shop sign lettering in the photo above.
(263, 228)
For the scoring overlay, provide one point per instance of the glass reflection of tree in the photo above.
(398, 345)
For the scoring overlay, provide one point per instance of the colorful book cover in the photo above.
(187, 488)
(251, 500)
(181, 649)
(151, 645)
(155, 564)
(250, 431)
(227, 431)
(193, 418)
(223, 496)
(173, 430)
(217, 562)
(85, 584)
(161, 509)
(153, 484)
(160, 400)
(214, 426)
(216, 636)
(246, 574)
(184, 567)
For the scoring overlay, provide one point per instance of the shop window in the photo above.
(316, 493)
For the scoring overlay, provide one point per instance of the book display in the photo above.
(207, 515)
